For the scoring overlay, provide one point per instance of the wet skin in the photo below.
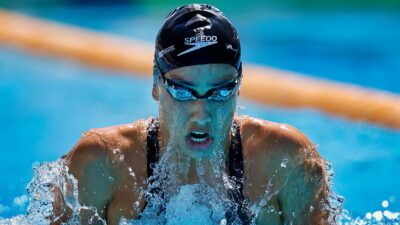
(274, 154)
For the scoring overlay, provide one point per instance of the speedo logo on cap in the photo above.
(166, 51)
(199, 42)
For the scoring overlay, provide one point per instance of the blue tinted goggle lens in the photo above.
(182, 93)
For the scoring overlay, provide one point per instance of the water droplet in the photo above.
(271, 209)
(131, 173)
(385, 204)
(391, 215)
(223, 222)
(20, 201)
(378, 215)
(284, 163)
(284, 127)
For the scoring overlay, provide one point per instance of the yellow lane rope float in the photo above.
(261, 84)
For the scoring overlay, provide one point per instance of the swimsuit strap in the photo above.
(153, 153)
(235, 155)
(153, 148)
(236, 172)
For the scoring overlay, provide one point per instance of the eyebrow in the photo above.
(178, 80)
(224, 82)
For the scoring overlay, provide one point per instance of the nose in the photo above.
(200, 115)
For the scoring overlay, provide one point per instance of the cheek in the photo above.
(170, 110)
(223, 109)
(223, 114)
(226, 107)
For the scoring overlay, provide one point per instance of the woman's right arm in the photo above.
(89, 163)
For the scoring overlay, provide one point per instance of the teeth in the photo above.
(197, 139)
(197, 136)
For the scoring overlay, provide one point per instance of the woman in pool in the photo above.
(197, 74)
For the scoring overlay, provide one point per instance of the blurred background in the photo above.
(47, 102)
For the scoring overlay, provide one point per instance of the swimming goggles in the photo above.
(182, 93)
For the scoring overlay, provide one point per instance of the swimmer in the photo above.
(197, 76)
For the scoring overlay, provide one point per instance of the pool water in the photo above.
(46, 103)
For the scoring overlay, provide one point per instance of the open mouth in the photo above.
(198, 136)
(197, 140)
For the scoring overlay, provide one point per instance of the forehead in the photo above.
(200, 75)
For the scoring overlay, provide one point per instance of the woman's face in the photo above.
(197, 126)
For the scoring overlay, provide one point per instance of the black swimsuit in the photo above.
(235, 165)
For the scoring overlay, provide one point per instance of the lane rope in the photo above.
(261, 84)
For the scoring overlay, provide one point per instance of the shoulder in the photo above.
(266, 137)
(281, 155)
(105, 146)
(270, 147)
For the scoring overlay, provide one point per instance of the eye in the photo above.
(182, 93)
(224, 92)
(179, 92)
(221, 94)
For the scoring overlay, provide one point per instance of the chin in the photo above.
(194, 154)
(198, 154)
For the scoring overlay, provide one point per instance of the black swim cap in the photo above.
(196, 34)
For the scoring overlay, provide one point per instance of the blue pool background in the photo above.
(46, 102)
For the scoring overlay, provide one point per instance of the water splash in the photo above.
(344, 217)
(46, 178)
(197, 203)
(192, 204)
(171, 202)
(335, 201)
(188, 204)
(379, 217)
(50, 180)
